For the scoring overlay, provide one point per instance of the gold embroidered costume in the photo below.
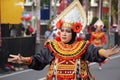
(68, 60)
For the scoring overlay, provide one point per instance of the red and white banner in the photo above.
(63, 5)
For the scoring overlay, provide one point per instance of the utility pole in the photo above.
(109, 23)
(85, 6)
(38, 21)
(100, 9)
(55, 2)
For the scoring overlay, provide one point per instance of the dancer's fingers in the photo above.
(13, 55)
(114, 47)
(11, 60)
(117, 50)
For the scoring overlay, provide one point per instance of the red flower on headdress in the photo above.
(59, 24)
(77, 27)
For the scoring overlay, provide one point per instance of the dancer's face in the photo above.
(66, 34)
(98, 28)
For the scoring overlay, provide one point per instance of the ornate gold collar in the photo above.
(68, 51)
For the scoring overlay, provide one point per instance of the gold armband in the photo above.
(27, 60)
(101, 52)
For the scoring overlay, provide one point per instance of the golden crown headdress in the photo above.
(73, 16)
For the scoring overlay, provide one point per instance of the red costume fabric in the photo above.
(63, 5)
(98, 38)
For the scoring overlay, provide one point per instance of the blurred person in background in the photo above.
(98, 37)
(49, 34)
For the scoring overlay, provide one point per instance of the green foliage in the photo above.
(105, 21)
(45, 1)
(114, 13)
(89, 0)
(114, 10)
(94, 20)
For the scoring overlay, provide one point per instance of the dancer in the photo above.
(98, 37)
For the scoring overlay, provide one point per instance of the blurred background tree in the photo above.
(94, 20)
(114, 11)
(45, 3)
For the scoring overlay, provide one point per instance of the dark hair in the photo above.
(73, 38)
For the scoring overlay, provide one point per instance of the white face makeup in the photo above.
(66, 34)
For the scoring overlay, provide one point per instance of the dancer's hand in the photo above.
(109, 52)
(16, 59)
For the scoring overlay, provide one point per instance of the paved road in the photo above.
(110, 71)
